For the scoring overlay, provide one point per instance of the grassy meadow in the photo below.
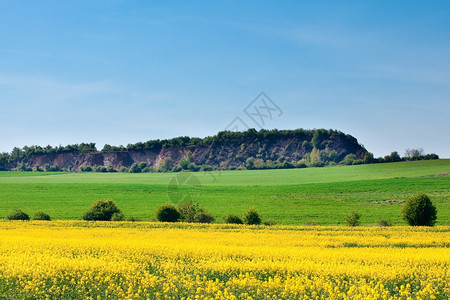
(289, 197)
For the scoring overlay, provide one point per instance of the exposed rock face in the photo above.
(215, 151)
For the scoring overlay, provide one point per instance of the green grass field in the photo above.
(290, 197)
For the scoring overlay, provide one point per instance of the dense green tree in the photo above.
(368, 158)
(393, 157)
(142, 165)
(419, 211)
(431, 156)
(233, 219)
(41, 216)
(134, 168)
(101, 210)
(107, 148)
(18, 215)
(203, 217)
(100, 169)
(167, 213)
(188, 210)
(251, 217)
(86, 169)
(166, 165)
(250, 163)
(4, 157)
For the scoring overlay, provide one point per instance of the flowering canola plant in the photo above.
(121, 260)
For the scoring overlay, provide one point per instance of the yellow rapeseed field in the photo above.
(120, 260)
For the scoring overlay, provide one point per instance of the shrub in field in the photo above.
(193, 213)
(100, 169)
(384, 223)
(110, 169)
(41, 216)
(101, 210)
(188, 210)
(18, 215)
(204, 217)
(352, 219)
(251, 217)
(167, 213)
(134, 168)
(419, 211)
(165, 165)
(117, 217)
(86, 169)
(232, 219)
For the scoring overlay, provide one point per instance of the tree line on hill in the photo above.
(316, 146)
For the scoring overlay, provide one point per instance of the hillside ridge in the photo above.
(226, 150)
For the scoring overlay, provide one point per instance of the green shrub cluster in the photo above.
(185, 212)
(99, 169)
(249, 217)
(23, 216)
(41, 216)
(233, 219)
(103, 210)
(18, 215)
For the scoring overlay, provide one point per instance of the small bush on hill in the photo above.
(86, 169)
(204, 217)
(110, 169)
(100, 169)
(134, 168)
(352, 219)
(188, 210)
(419, 211)
(23, 167)
(232, 219)
(117, 217)
(41, 216)
(167, 213)
(53, 168)
(166, 165)
(101, 210)
(18, 215)
(251, 217)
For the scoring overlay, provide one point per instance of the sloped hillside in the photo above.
(251, 149)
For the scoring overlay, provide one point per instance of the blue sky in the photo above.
(120, 72)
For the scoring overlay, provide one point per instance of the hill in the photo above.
(226, 150)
